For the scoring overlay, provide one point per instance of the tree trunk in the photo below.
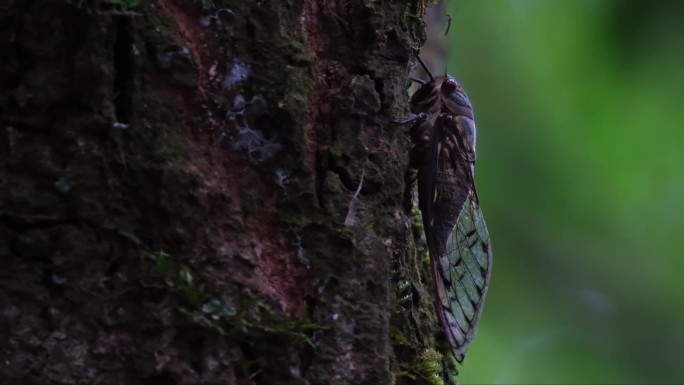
(198, 192)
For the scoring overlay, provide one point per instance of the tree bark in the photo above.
(198, 192)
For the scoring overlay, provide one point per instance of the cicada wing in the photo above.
(465, 268)
(457, 238)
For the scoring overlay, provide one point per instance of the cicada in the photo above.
(443, 134)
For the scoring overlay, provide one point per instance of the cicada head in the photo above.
(449, 85)
(454, 97)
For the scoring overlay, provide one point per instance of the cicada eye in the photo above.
(449, 85)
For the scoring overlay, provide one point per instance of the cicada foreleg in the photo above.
(419, 81)
(421, 117)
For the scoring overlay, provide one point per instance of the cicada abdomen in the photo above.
(443, 133)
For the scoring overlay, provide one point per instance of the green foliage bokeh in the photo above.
(581, 177)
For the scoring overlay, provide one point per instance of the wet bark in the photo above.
(198, 192)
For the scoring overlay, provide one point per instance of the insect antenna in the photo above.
(448, 24)
(419, 81)
(427, 70)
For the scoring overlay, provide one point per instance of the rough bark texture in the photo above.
(199, 192)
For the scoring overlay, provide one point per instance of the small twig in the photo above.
(350, 220)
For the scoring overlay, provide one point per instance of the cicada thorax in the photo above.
(442, 95)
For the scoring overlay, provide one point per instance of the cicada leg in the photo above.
(410, 178)
(421, 117)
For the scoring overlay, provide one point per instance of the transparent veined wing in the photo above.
(456, 232)
(462, 276)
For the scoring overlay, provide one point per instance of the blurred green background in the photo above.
(581, 177)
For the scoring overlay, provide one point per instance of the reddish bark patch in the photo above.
(278, 273)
